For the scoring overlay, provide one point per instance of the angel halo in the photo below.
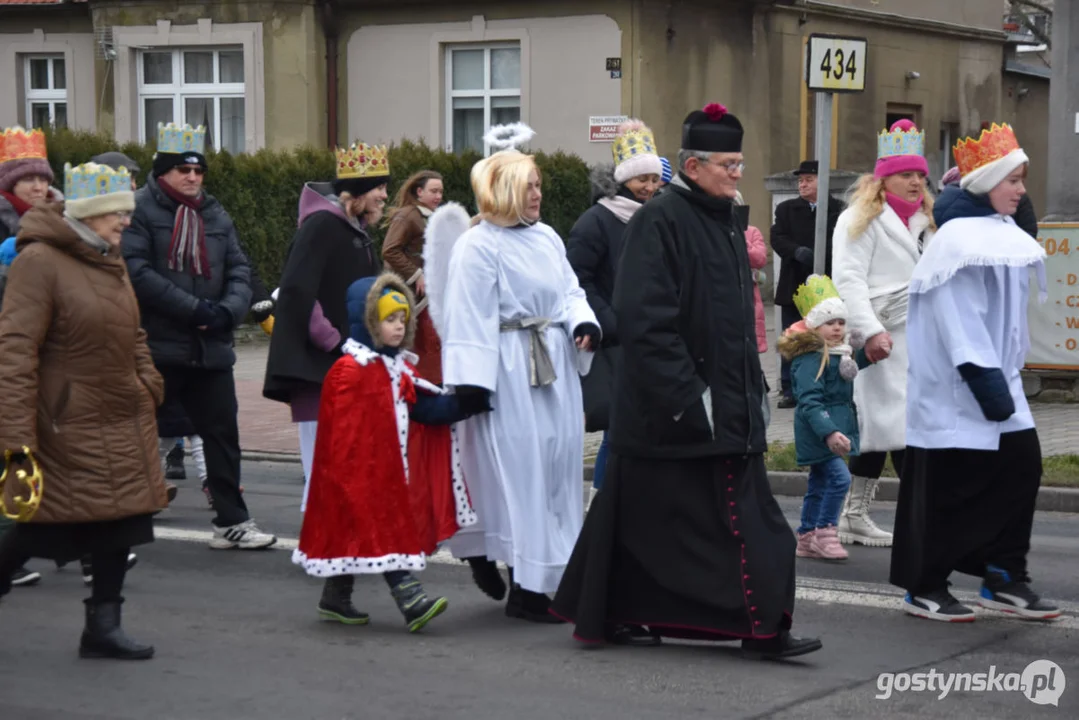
(508, 137)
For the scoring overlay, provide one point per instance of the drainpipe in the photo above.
(327, 10)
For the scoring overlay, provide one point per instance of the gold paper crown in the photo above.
(362, 161)
(817, 289)
(993, 144)
(19, 144)
(633, 142)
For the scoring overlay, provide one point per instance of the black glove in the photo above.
(203, 315)
(590, 331)
(474, 403)
(222, 321)
(262, 310)
(804, 255)
(991, 390)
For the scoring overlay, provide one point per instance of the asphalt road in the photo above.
(237, 637)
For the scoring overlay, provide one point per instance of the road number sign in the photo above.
(836, 64)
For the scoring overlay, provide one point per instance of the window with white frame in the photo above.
(45, 88)
(483, 84)
(200, 86)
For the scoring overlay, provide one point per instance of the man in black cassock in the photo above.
(685, 539)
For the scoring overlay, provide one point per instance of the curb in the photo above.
(788, 484)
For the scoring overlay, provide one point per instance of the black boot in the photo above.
(174, 464)
(531, 606)
(487, 578)
(414, 604)
(633, 635)
(783, 645)
(336, 603)
(104, 638)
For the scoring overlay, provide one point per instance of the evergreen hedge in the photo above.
(261, 190)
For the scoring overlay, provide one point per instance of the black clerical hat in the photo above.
(712, 129)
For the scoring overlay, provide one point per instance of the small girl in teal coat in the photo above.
(826, 420)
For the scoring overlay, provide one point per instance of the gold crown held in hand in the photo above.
(24, 507)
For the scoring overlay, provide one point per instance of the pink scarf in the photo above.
(903, 208)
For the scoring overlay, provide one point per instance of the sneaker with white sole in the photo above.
(938, 605)
(1001, 592)
(24, 578)
(245, 536)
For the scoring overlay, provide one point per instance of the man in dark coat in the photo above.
(793, 239)
(192, 281)
(686, 539)
(330, 251)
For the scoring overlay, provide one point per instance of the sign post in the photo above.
(834, 64)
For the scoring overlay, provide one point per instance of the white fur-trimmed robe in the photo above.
(872, 273)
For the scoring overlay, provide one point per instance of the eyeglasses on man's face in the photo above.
(190, 169)
(730, 167)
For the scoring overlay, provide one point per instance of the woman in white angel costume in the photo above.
(514, 323)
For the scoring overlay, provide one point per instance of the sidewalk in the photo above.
(266, 427)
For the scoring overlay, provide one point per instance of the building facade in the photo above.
(266, 73)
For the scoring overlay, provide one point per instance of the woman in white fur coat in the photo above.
(878, 241)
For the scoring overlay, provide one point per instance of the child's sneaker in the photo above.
(937, 605)
(336, 602)
(826, 546)
(1000, 592)
(414, 604)
(805, 545)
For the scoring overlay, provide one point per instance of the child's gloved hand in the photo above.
(838, 443)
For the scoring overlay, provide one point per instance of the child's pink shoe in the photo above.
(805, 545)
(826, 545)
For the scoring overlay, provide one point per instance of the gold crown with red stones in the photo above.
(993, 144)
(360, 160)
(19, 144)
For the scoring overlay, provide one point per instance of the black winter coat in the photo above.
(684, 301)
(795, 227)
(168, 299)
(328, 253)
(593, 249)
(1026, 218)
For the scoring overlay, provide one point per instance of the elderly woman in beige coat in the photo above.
(78, 391)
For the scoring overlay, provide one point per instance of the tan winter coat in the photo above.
(78, 386)
(402, 250)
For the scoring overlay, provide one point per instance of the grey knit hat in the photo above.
(12, 171)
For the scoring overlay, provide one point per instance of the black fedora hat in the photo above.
(808, 167)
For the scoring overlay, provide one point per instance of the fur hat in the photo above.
(364, 302)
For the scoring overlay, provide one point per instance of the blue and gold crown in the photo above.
(902, 139)
(633, 142)
(92, 180)
(178, 139)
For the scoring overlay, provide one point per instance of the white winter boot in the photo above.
(855, 525)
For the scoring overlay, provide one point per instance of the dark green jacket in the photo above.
(825, 404)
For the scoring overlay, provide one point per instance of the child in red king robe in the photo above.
(386, 485)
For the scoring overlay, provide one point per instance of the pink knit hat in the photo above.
(900, 150)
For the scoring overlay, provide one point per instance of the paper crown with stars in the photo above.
(91, 189)
(818, 301)
(19, 144)
(177, 139)
(360, 161)
(900, 140)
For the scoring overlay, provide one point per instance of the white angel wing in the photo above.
(447, 224)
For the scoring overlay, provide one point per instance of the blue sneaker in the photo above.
(1001, 592)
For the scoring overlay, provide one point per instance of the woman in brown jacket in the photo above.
(402, 251)
(79, 389)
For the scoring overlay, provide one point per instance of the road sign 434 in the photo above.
(836, 64)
